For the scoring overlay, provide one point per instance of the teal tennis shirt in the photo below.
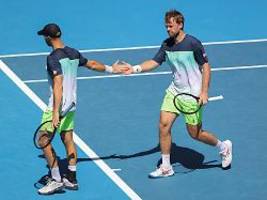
(64, 61)
(185, 59)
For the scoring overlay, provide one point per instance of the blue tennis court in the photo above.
(117, 116)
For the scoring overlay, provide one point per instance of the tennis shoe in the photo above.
(226, 155)
(71, 185)
(51, 187)
(162, 172)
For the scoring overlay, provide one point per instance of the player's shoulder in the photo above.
(63, 53)
(193, 40)
(56, 53)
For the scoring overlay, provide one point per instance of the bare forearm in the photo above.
(206, 74)
(57, 93)
(149, 65)
(95, 65)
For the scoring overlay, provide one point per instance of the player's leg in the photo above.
(165, 125)
(167, 117)
(67, 138)
(67, 126)
(196, 132)
(70, 179)
(194, 128)
(55, 184)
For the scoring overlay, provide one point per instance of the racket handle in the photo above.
(216, 98)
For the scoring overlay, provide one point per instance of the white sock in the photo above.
(166, 160)
(72, 168)
(55, 174)
(221, 146)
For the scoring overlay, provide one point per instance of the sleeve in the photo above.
(53, 66)
(82, 60)
(199, 53)
(160, 55)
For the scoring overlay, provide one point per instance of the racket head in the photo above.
(44, 135)
(186, 103)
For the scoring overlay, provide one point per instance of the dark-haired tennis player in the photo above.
(62, 65)
(191, 74)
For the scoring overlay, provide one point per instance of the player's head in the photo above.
(174, 22)
(50, 32)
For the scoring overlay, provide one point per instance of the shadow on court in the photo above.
(180, 156)
(184, 156)
(184, 160)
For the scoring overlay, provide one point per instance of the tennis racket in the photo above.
(45, 132)
(189, 104)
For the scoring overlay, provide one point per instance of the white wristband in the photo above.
(108, 69)
(137, 68)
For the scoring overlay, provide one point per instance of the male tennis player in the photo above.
(62, 65)
(191, 74)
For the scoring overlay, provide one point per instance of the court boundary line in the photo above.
(245, 67)
(83, 146)
(133, 48)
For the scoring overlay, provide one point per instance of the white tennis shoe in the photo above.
(70, 185)
(162, 172)
(226, 155)
(51, 187)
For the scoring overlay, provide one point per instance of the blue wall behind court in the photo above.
(89, 24)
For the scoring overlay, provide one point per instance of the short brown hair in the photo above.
(176, 15)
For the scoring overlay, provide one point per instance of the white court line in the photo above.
(133, 48)
(89, 152)
(154, 73)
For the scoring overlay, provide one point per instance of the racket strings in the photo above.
(44, 135)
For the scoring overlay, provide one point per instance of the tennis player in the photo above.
(62, 65)
(191, 74)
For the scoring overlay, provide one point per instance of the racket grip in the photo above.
(216, 98)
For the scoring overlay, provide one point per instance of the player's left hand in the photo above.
(120, 67)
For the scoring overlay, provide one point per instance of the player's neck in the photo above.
(58, 44)
(180, 37)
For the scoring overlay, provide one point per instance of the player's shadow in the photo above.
(190, 158)
(183, 159)
(180, 156)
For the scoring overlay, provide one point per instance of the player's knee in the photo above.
(194, 136)
(194, 131)
(164, 128)
(68, 141)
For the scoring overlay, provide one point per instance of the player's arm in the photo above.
(206, 74)
(95, 65)
(149, 65)
(145, 66)
(202, 60)
(98, 66)
(57, 97)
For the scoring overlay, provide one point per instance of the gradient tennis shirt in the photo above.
(185, 59)
(64, 61)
